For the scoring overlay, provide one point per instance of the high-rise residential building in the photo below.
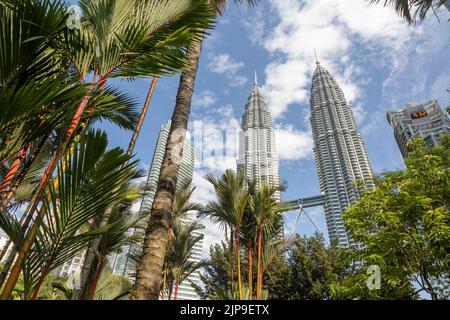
(258, 157)
(3, 241)
(71, 267)
(120, 263)
(339, 151)
(425, 120)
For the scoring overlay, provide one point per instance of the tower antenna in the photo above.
(317, 60)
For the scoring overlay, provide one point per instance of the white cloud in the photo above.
(255, 25)
(224, 64)
(204, 99)
(293, 144)
(203, 194)
(333, 27)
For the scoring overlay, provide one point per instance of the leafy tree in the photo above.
(305, 272)
(216, 276)
(403, 225)
(301, 272)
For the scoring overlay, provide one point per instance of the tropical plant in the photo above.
(88, 180)
(403, 225)
(121, 223)
(149, 273)
(179, 264)
(232, 199)
(267, 227)
(143, 38)
(413, 10)
(216, 276)
(130, 39)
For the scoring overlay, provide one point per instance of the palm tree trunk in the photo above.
(250, 269)
(97, 276)
(149, 271)
(89, 266)
(258, 274)
(85, 285)
(28, 240)
(238, 262)
(232, 258)
(25, 170)
(164, 284)
(175, 296)
(7, 265)
(141, 118)
(13, 169)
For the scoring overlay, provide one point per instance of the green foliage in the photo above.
(215, 275)
(90, 179)
(403, 225)
(305, 272)
(112, 287)
(413, 10)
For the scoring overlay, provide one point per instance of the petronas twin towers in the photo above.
(341, 156)
(343, 166)
(258, 156)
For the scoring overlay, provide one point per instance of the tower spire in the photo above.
(256, 78)
(317, 60)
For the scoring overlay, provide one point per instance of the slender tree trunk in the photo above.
(17, 268)
(175, 296)
(25, 170)
(41, 280)
(163, 293)
(97, 276)
(238, 262)
(141, 117)
(258, 274)
(250, 269)
(7, 265)
(232, 258)
(149, 271)
(13, 169)
(85, 286)
(89, 266)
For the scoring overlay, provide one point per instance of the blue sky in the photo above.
(380, 62)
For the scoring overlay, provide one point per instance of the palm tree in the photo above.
(130, 39)
(84, 185)
(149, 273)
(266, 212)
(232, 198)
(179, 263)
(409, 9)
(121, 222)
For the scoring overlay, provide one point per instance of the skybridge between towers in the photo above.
(310, 202)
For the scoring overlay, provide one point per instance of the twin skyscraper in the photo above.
(341, 158)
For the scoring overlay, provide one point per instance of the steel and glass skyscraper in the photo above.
(121, 263)
(339, 151)
(258, 156)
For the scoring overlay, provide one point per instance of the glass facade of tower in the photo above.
(425, 120)
(120, 263)
(339, 151)
(258, 156)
